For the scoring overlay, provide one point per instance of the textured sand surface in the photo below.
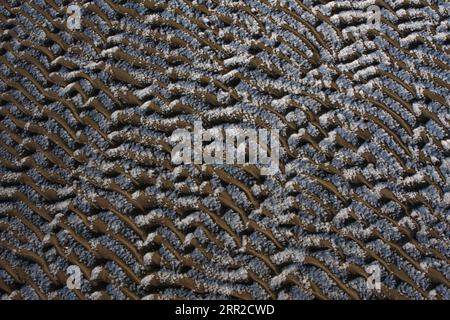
(86, 177)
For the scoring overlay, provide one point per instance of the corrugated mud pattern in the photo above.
(86, 175)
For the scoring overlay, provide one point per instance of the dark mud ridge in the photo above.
(86, 177)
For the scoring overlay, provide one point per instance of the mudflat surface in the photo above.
(86, 177)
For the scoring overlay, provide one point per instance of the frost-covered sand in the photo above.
(86, 177)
